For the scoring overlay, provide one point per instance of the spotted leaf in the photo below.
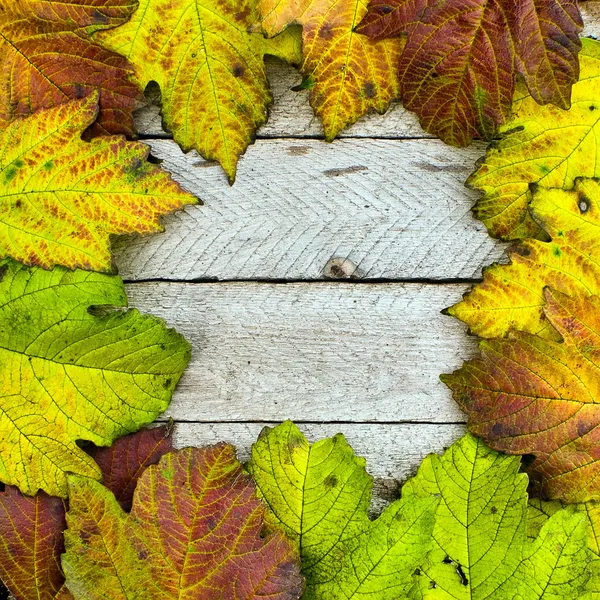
(208, 58)
(528, 395)
(47, 57)
(347, 73)
(62, 198)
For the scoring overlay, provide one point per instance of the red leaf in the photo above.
(461, 59)
(31, 544)
(195, 531)
(124, 462)
(47, 57)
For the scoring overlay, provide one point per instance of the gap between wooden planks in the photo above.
(362, 358)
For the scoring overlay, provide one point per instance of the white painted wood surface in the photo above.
(396, 209)
(312, 351)
(357, 357)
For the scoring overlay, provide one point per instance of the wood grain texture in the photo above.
(393, 452)
(292, 116)
(312, 351)
(394, 209)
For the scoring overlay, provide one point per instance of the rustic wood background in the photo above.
(311, 290)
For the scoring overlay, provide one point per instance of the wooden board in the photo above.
(393, 209)
(312, 351)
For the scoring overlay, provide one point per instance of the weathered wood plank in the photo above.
(393, 452)
(292, 116)
(312, 351)
(395, 209)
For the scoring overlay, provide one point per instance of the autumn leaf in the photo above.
(31, 542)
(72, 372)
(123, 463)
(347, 73)
(320, 496)
(512, 296)
(47, 57)
(540, 144)
(32, 528)
(529, 395)
(194, 532)
(461, 59)
(62, 198)
(210, 68)
(539, 513)
(480, 547)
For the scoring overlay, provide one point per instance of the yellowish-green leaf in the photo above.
(208, 58)
(348, 74)
(539, 513)
(70, 372)
(541, 144)
(512, 296)
(62, 198)
(319, 494)
(480, 547)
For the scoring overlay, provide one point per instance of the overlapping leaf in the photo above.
(347, 73)
(68, 374)
(31, 528)
(539, 513)
(320, 495)
(528, 395)
(194, 532)
(47, 57)
(512, 296)
(540, 144)
(62, 198)
(210, 68)
(480, 548)
(459, 65)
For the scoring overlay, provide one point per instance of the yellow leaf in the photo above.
(62, 198)
(348, 74)
(512, 296)
(209, 64)
(541, 144)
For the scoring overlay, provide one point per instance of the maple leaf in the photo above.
(194, 531)
(71, 373)
(512, 296)
(210, 68)
(539, 513)
(347, 73)
(31, 528)
(480, 547)
(461, 58)
(320, 496)
(540, 144)
(47, 57)
(62, 198)
(529, 395)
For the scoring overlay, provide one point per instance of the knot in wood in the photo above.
(340, 268)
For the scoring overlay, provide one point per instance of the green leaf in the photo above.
(480, 545)
(539, 513)
(320, 495)
(75, 367)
